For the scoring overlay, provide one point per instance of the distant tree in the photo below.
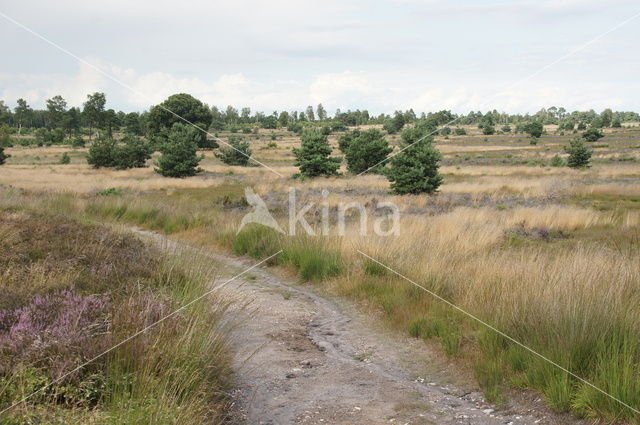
(5, 113)
(506, 128)
(133, 153)
(3, 156)
(460, 131)
(181, 106)
(132, 124)
(321, 113)
(237, 154)
(445, 131)
(395, 124)
(283, 119)
(367, 150)
(56, 108)
(616, 123)
(313, 157)
(415, 169)
(592, 135)
(22, 114)
(579, 154)
(94, 112)
(488, 129)
(534, 129)
(607, 117)
(179, 157)
(73, 121)
(102, 153)
(309, 113)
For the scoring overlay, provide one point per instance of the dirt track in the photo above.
(305, 358)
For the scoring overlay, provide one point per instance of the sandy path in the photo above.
(306, 358)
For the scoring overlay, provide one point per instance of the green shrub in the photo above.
(134, 153)
(238, 153)
(460, 131)
(557, 161)
(415, 169)
(592, 135)
(102, 153)
(579, 154)
(366, 151)
(313, 156)
(179, 156)
(65, 158)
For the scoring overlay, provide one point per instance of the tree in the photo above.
(56, 108)
(395, 124)
(367, 150)
(488, 129)
(345, 140)
(179, 156)
(3, 156)
(134, 153)
(176, 109)
(321, 112)
(415, 169)
(132, 124)
(65, 159)
(313, 156)
(534, 129)
(579, 154)
(73, 121)
(93, 111)
(237, 154)
(102, 153)
(22, 113)
(592, 135)
(309, 113)
(607, 117)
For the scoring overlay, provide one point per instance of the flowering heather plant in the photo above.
(54, 332)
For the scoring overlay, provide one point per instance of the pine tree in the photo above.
(179, 154)
(237, 154)
(313, 156)
(579, 154)
(415, 169)
(366, 151)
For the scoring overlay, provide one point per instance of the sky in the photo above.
(511, 55)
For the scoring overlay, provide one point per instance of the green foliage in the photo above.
(367, 150)
(460, 131)
(445, 131)
(65, 158)
(592, 135)
(46, 137)
(134, 153)
(579, 154)
(179, 156)
(506, 128)
(415, 169)
(161, 118)
(313, 156)
(345, 139)
(102, 153)
(534, 129)
(78, 142)
(237, 154)
(3, 156)
(488, 129)
(5, 136)
(557, 161)
(395, 124)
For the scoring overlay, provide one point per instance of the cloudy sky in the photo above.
(381, 55)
